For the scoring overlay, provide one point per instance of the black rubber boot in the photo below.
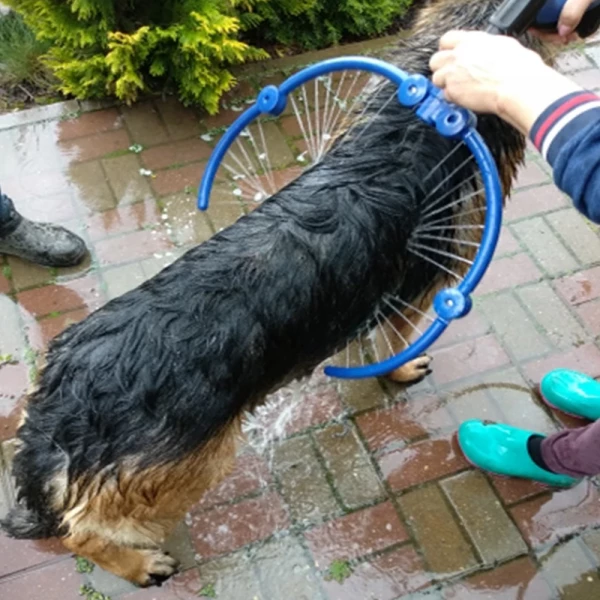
(41, 243)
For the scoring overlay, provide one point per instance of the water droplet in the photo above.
(206, 137)
(258, 197)
(262, 156)
(237, 108)
(237, 192)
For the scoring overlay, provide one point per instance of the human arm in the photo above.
(562, 120)
(567, 134)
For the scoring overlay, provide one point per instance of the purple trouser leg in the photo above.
(574, 452)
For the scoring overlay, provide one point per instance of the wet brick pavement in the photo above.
(367, 496)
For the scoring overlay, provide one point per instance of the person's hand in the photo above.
(475, 69)
(496, 74)
(570, 17)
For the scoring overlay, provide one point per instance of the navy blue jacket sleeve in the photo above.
(567, 134)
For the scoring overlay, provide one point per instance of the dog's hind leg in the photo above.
(413, 371)
(121, 522)
(412, 321)
(399, 330)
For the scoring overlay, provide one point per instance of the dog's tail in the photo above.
(25, 524)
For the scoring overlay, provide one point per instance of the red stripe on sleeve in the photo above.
(558, 113)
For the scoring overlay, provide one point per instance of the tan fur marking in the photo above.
(120, 523)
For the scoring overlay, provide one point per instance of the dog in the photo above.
(137, 411)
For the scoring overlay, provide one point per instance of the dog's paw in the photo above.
(158, 567)
(412, 372)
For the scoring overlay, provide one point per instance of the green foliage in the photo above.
(208, 591)
(89, 593)
(311, 24)
(82, 565)
(21, 55)
(126, 48)
(7, 359)
(339, 570)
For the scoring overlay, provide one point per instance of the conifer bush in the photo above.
(313, 24)
(126, 48)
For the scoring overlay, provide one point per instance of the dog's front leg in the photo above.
(143, 566)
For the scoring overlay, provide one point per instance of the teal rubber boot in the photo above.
(502, 449)
(573, 393)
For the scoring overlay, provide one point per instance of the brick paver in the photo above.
(303, 481)
(441, 539)
(363, 493)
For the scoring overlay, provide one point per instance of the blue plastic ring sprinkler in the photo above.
(450, 121)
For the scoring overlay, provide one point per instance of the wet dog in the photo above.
(137, 410)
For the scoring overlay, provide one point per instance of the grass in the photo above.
(7, 359)
(31, 357)
(208, 591)
(89, 593)
(82, 565)
(23, 74)
(339, 570)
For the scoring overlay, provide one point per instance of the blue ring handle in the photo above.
(452, 122)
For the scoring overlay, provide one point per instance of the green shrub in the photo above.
(311, 24)
(124, 48)
(21, 56)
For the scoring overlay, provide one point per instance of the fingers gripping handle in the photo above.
(547, 18)
(514, 17)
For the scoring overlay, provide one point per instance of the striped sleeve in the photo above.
(561, 119)
(567, 134)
